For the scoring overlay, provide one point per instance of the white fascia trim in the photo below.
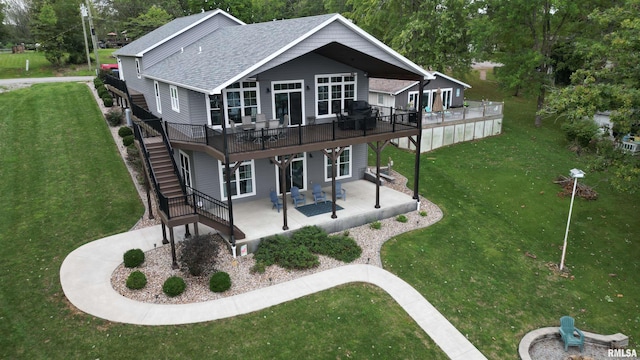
(437, 73)
(216, 12)
(427, 75)
(165, 81)
(406, 88)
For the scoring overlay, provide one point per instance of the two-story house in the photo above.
(238, 111)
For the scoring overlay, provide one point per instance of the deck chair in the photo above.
(276, 203)
(318, 194)
(246, 120)
(570, 334)
(258, 132)
(297, 197)
(274, 130)
(237, 132)
(340, 192)
(261, 117)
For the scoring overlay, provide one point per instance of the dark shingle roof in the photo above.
(222, 55)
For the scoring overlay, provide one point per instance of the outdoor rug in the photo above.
(317, 209)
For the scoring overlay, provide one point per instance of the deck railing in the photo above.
(239, 141)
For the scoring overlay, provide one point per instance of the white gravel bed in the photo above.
(157, 264)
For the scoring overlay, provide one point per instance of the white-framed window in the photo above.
(343, 165)
(380, 99)
(413, 100)
(138, 70)
(288, 99)
(241, 99)
(185, 168)
(156, 91)
(334, 93)
(243, 180)
(175, 101)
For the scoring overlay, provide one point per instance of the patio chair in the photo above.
(257, 135)
(340, 192)
(275, 201)
(237, 132)
(261, 117)
(570, 334)
(297, 197)
(274, 131)
(246, 121)
(318, 194)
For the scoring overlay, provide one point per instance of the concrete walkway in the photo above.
(85, 276)
(46, 80)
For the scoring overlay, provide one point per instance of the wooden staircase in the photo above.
(138, 99)
(163, 168)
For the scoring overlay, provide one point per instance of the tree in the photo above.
(521, 35)
(147, 22)
(17, 20)
(47, 34)
(434, 34)
(609, 81)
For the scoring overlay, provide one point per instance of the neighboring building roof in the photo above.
(167, 32)
(395, 87)
(231, 53)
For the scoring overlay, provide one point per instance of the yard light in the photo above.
(575, 175)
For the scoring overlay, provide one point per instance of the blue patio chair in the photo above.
(318, 194)
(277, 203)
(570, 334)
(340, 192)
(297, 197)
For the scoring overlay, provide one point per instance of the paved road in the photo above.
(46, 80)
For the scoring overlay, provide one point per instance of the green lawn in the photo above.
(500, 202)
(64, 184)
(14, 65)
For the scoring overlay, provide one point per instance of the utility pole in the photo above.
(94, 37)
(83, 14)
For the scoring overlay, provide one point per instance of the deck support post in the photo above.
(174, 260)
(164, 234)
(377, 148)
(334, 155)
(187, 234)
(283, 164)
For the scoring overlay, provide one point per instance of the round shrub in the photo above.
(133, 258)
(103, 92)
(127, 140)
(107, 100)
(402, 218)
(97, 82)
(136, 280)
(174, 286)
(124, 131)
(220, 282)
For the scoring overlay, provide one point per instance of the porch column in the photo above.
(282, 166)
(174, 260)
(227, 169)
(416, 176)
(149, 205)
(186, 231)
(334, 155)
(378, 150)
(164, 234)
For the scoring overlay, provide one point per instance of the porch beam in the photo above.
(283, 165)
(334, 155)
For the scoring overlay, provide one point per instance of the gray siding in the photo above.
(402, 99)
(306, 68)
(334, 32)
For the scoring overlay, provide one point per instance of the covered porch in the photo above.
(257, 219)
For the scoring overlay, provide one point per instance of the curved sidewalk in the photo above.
(85, 276)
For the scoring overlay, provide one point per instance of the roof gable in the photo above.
(231, 53)
(168, 31)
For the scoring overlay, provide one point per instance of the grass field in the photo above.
(499, 203)
(64, 184)
(14, 65)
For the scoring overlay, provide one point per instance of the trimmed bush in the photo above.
(199, 254)
(376, 225)
(107, 100)
(270, 250)
(114, 117)
(423, 213)
(343, 248)
(133, 258)
(128, 140)
(97, 83)
(312, 237)
(174, 286)
(136, 280)
(102, 92)
(288, 253)
(124, 131)
(402, 218)
(220, 282)
(299, 257)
